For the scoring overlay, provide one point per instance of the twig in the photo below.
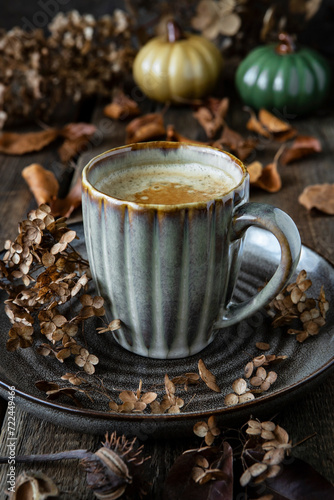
(68, 455)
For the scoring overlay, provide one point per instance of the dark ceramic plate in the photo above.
(119, 369)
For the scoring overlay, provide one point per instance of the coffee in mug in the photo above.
(170, 184)
(164, 226)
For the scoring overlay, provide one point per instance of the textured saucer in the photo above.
(306, 365)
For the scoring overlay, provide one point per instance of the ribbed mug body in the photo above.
(164, 270)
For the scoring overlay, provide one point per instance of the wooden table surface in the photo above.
(314, 413)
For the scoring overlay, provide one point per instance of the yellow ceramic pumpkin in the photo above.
(177, 67)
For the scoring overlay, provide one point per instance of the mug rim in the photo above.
(140, 146)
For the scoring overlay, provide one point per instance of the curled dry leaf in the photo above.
(111, 327)
(42, 183)
(186, 379)
(19, 144)
(145, 128)
(270, 179)
(255, 125)
(272, 123)
(301, 146)
(236, 143)
(266, 178)
(269, 126)
(254, 170)
(77, 136)
(63, 207)
(207, 376)
(212, 115)
(173, 135)
(319, 196)
(121, 107)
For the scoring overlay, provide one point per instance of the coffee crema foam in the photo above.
(167, 184)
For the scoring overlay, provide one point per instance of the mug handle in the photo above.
(284, 229)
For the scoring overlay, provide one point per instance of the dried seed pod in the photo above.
(253, 431)
(115, 469)
(247, 396)
(257, 469)
(245, 478)
(267, 435)
(263, 346)
(265, 385)
(255, 424)
(271, 377)
(256, 381)
(239, 386)
(281, 435)
(200, 429)
(274, 456)
(34, 486)
(248, 370)
(268, 426)
(261, 372)
(259, 360)
(269, 445)
(231, 399)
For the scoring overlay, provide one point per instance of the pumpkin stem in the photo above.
(174, 31)
(286, 45)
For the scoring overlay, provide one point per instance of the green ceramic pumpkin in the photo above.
(279, 77)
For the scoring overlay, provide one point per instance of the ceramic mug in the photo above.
(168, 271)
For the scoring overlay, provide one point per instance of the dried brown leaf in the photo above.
(42, 183)
(255, 170)
(319, 196)
(255, 125)
(77, 136)
(19, 144)
(236, 143)
(121, 107)
(263, 346)
(207, 376)
(145, 128)
(212, 115)
(173, 135)
(272, 123)
(270, 179)
(65, 206)
(301, 146)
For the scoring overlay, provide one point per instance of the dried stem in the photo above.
(52, 457)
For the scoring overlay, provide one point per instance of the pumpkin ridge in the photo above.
(251, 94)
(310, 62)
(208, 67)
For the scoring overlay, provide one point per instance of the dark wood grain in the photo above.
(314, 413)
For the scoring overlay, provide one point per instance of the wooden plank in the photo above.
(35, 436)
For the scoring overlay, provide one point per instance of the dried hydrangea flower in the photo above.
(86, 361)
(207, 430)
(19, 336)
(138, 399)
